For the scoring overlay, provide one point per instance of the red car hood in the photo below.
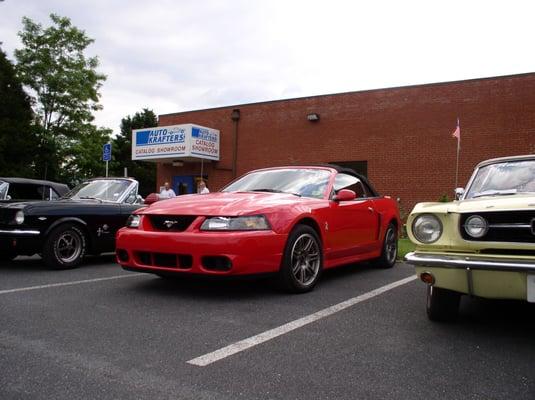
(224, 204)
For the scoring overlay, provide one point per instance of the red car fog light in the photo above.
(216, 263)
(122, 255)
(427, 277)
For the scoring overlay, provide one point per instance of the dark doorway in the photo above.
(184, 185)
(360, 167)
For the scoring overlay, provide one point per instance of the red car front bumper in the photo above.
(198, 252)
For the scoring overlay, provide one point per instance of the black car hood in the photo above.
(44, 206)
(2, 202)
(20, 204)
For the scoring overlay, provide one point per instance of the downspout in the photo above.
(235, 116)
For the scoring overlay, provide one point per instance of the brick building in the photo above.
(401, 138)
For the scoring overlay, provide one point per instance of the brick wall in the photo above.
(403, 133)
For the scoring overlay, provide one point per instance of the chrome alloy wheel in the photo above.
(305, 259)
(68, 246)
(391, 246)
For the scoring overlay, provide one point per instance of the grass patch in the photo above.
(404, 246)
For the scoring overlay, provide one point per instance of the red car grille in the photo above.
(171, 223)
(164, 260)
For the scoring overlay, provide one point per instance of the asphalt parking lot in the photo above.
(98, 332)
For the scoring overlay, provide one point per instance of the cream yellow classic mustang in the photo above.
(482, 244)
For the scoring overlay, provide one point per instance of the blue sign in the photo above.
(151, 137)
(106, 152)
(204, 134)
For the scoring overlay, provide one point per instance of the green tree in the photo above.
(63, 82)
(143, 171)
(17, 139)
(83, 157)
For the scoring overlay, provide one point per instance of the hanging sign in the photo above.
(176, 142)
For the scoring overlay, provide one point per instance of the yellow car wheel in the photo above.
(442, 304)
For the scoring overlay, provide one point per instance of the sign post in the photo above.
(106, 155)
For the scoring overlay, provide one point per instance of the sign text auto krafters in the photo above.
(176, 142)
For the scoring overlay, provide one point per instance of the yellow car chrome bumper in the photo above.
(498, 278)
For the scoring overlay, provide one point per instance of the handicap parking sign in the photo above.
(106, 152)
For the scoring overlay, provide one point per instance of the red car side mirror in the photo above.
(345, 195)
(152, 198)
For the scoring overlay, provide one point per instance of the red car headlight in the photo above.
(247, 223)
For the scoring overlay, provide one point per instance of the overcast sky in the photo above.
(178, 55)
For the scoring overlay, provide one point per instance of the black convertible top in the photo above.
(60, 188)
(350, 171)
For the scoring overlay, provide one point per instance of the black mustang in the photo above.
(84, 221)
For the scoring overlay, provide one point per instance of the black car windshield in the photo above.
(503, 179)
(103, 190)
(300, 182)
(3, 190)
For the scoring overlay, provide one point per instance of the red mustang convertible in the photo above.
(293, 221)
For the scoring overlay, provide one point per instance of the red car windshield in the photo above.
(300, 182)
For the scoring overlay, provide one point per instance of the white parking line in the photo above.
(51, 285)
(252, 341)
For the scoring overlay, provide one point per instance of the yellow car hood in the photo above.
(518, 201)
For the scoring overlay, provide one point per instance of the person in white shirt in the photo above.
(167, 192)
(201, 188)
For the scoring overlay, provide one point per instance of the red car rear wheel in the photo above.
(389, 250)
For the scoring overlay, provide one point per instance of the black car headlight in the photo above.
(427, 228)
(133, 221)
(19, 217)
(248, 223)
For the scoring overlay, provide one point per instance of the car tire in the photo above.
(389, 249)
(302, 261)
(166, 276)
(7, 256)
(442, 304)
(64, 247)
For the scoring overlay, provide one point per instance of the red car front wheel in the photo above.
(303, 260)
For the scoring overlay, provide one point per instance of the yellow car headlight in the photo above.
(476, 226)
(427, 228)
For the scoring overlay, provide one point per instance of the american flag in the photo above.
(457, 131)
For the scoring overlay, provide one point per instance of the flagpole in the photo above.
(457, 165)
(457, 162)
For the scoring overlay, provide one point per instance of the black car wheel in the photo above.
(7, 256)
(302, 261)
(389, 250)
(442, 304)
(64, 247)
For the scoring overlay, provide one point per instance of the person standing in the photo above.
(201, 188)
(167, 192)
